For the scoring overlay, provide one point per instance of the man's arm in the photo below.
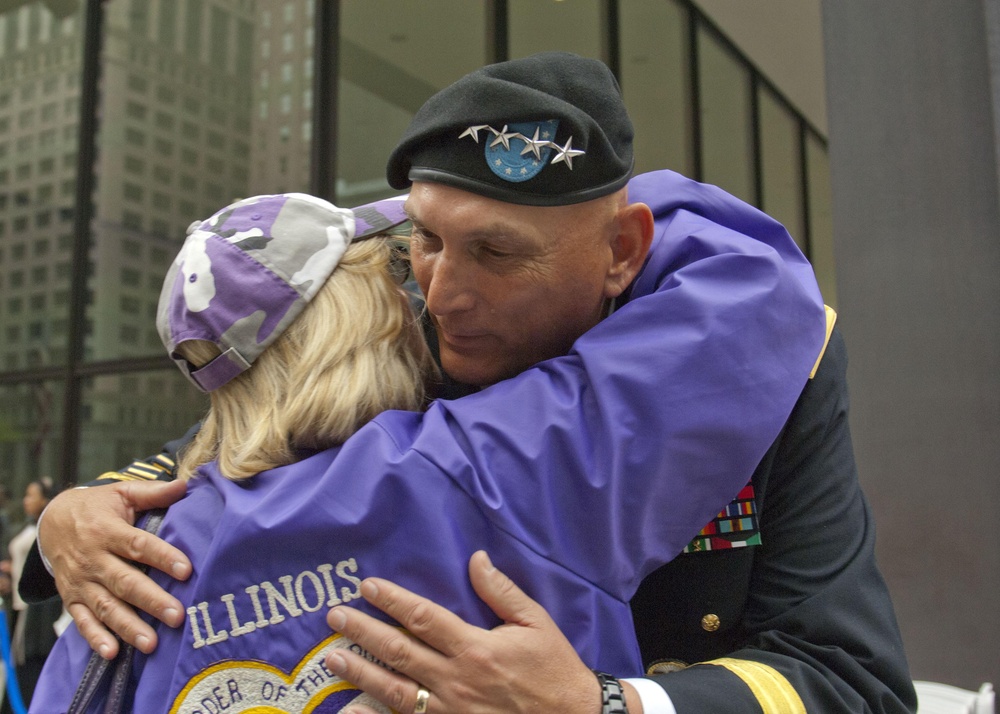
(542, 655)
(89, 538)
(87, 535)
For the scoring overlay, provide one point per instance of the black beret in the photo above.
(546, 130)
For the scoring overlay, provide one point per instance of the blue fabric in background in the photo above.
(13, 692)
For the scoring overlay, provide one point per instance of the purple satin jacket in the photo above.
(580, 476)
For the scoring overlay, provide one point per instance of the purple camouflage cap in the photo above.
(244, 275)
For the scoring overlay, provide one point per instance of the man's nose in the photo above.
(450, 289)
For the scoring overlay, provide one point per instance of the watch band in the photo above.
(612, 695)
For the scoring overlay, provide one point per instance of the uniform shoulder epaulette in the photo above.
(157, 468)
(831, 320)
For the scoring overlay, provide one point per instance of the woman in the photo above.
(33, 634)
(302, 484)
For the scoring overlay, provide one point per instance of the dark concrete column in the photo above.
(911, 95)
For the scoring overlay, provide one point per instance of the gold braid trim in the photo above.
(831, 320)
(141, 470)
(773, 692)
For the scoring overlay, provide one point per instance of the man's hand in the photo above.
(524, 665)
(87, 535)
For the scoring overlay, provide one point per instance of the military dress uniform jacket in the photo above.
(801, 622)
(790, 611)
(561, 473)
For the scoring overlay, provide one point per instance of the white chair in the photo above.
(937, 698)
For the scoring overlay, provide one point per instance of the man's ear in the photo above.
(629, 247)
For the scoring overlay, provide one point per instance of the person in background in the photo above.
(5, 535)
(32, 625)
(5, 530)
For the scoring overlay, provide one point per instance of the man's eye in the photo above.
(422, 240)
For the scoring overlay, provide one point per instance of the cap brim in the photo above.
(378, 216)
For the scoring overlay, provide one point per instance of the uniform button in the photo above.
(710, 623)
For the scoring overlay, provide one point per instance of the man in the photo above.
(790, 610)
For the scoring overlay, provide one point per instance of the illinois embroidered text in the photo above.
(267, 604)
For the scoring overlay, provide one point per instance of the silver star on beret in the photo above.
(566, 153)
(473, 131)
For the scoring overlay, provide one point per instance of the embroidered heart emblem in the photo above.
(253, 687)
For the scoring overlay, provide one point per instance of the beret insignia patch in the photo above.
(518, 152)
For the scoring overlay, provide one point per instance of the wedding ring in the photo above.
(423, 698)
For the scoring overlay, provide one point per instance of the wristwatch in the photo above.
(612, 696)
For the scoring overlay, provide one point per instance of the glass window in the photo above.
(165, 94)
(194, 21)
(726, 121)
(387, 74)
(243, 51)
(167, 25)
(134, 165)
(163, 147)
(157, 406)
(135, 137)
(219, 43)
(656, 83)
(32, 417)
(569, 26)
(138, 17)
(169, 120)
(164, 120)
(278, 85)
(162, 174)
(130, 304)
(135, 110)
(31, 100)
(781, 165)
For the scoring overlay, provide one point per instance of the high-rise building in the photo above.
(173, 145)
(282, 96)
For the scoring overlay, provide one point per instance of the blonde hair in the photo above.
(354, 352)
